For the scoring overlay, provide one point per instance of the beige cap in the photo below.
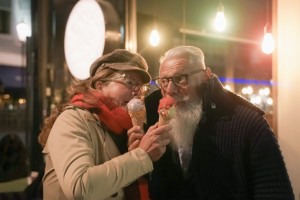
(122, 60)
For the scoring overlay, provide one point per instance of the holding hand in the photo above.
(135, 135)
(154, 142)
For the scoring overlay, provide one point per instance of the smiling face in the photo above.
(121, 87)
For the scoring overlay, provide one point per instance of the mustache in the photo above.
(181, 99)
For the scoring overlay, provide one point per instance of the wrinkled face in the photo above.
(171, 70)
(121, 87)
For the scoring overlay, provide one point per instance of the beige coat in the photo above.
(83, 162)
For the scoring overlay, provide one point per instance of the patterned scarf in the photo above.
(115, 118)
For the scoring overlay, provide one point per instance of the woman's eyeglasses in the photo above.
(129, 82)
(179, 81)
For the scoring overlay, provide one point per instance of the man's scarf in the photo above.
(115, 118)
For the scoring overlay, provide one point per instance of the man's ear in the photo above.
(208, 73)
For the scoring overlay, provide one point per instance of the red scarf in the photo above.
(115, 118)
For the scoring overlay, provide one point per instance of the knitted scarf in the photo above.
(115, 118)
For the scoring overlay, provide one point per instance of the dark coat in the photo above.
(235, 154)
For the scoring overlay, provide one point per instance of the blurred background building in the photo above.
(34, 73)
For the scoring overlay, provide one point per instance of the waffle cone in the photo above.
(165, 115)
(138, 117)
(163, 121)
(138, 121)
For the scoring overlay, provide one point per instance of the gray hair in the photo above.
(194, 55)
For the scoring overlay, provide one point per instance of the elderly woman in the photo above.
(85, 140)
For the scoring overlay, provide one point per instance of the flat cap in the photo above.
(122, 60)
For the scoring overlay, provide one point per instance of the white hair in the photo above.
(194, 55)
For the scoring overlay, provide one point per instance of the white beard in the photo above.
(184, 125)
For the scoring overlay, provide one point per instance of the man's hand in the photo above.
(135, 135)
(154, 142)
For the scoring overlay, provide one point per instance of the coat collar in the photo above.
(219, 102)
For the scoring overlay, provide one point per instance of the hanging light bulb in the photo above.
(220, 21)
(268, 44)
(154, 38)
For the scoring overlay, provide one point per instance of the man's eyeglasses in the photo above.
(129, 82)
(179, 81)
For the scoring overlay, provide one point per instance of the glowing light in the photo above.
(22, 101)
(23, 31)
(220, 21)
(256, 100)
(247, 90)
(52, 106)
(270, 101)
(154, 38)
(129, 45)
(227, 87)
(6, 96)
(246, 81)
(264, 91)
(268, 44)
(10, 107)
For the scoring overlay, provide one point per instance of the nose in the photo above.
(171, 89)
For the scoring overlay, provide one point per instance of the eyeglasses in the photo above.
(129, 82)
(179, 81)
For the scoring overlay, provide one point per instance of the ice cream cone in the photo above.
(165, 115)
(138, 118)
(137, 112)
(166, 110)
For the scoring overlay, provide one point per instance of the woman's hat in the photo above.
(122, 60)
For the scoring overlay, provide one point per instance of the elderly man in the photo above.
(222, 147)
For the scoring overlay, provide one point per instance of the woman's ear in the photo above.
(99, 85)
